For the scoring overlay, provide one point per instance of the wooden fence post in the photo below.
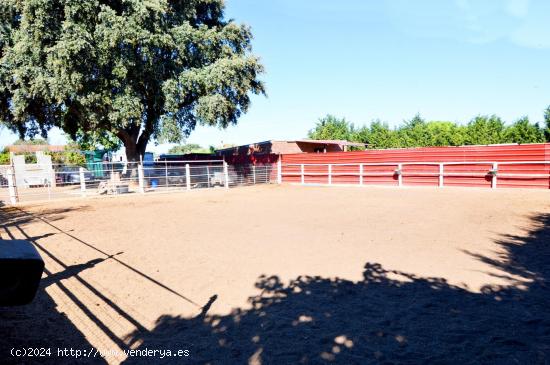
(82, 180)
(494, 173)
(12, 186)
(141, 179)
(187, 176)
(400, 175)
(226, 174)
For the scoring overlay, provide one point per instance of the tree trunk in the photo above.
(135, 145)
(133, 159)
(135, 152)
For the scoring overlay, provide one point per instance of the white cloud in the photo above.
(532, 35)
(517, 8)
(523, 22)
(534, 31)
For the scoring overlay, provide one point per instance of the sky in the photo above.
(388, 60)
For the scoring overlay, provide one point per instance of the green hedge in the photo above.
(64, 158)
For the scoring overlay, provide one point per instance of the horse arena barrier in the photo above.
(37, 183)
(498, 166)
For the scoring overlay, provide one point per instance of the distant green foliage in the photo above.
(547, 122)
(445, 134)
(417, 132)
(524, 132)
(331, 127)
(32, 142)
(187, 148)
(5, 157)
(70, 156)
(485, 130)
(30, 158)
(96, 140)
(378, 135)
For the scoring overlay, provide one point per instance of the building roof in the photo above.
(339, 142)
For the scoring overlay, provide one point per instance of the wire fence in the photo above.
(4, 195)
(35, 182)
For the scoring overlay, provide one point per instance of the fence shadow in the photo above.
(388, 317)
(13, 216)
(39, 325)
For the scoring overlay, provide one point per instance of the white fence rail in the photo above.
(358, 170)
(36, 183)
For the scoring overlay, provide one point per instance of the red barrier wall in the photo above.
(255, 159)
(476, 175)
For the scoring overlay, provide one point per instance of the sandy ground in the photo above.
(288, 274)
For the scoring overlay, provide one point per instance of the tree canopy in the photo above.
(331, 127)
(131, 69)
(417, 132)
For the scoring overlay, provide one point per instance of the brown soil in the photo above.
(286, 274)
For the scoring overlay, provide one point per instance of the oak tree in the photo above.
(139, 70)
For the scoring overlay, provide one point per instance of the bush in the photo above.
(68, 158)
(58, 158)
(4, 157)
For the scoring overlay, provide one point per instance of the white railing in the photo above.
(35, 182)
(330, 173)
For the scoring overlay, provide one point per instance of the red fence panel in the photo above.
(316, 174)
(421, 174)
(380, 174)
(524, 166)
(524, 175)
(345, 174)
(472, 175)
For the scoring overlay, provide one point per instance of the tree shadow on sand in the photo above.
(388, 317)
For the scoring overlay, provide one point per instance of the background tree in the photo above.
(72, 155)
(32, 142)
(379, 135)
(484, 130)
(445, 134)
(96, 140)
(331, 127)
(414, 133)
(138, 70)
(547, 122)
(417, 132)
(187, 148)
(524, 132)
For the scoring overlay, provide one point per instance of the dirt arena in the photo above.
(289, 274)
